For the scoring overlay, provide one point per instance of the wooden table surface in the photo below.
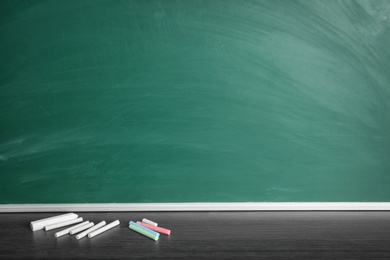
(206, 235)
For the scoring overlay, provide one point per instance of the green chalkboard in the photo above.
(194, 101)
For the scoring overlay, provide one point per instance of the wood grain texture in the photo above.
(200, 235)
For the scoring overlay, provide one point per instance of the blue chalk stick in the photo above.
(144, 228)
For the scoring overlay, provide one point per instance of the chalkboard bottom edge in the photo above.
(198, 206)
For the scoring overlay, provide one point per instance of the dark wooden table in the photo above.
(216, 235)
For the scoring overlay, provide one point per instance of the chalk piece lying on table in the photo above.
(144, 231)
(147, 221)
(157, 229)
(66, 231)
(41, 223)
(63, 224)
(82, 228)
(86, 232)
(103, 229)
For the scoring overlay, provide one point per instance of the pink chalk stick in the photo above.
(157, 229)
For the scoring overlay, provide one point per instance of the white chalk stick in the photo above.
(147, 221)
(63, 224)
(41, 223)
(79, 229)
(66, 231)
(103, 229)
(86, 232)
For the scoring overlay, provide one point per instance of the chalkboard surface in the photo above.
(194, 101)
